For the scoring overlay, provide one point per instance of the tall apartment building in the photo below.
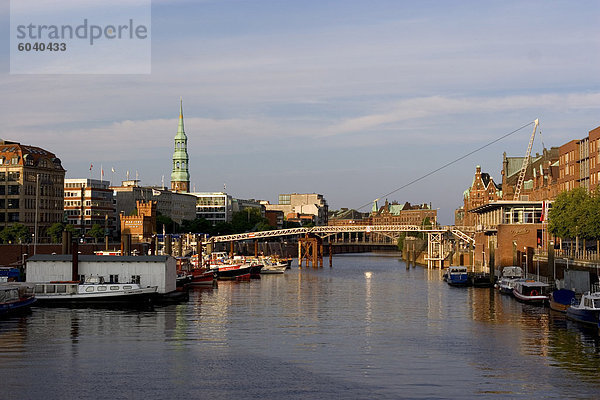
(89, 202)
(31, 183)
(302, 204)
(579, 162)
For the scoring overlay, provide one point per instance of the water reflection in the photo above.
(367, 323)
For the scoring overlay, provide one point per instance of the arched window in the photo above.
(177, 164)
(183, 164)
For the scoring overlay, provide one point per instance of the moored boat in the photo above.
(457, 276)
(509, 277)
(202, 277)
(231, 271)
(529, 291)
(587, 311)
(15, 299)
(93, 291)
(278, 268)
(561, 299)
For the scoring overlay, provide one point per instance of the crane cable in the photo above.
(450, 163)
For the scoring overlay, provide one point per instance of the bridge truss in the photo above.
(435, 236)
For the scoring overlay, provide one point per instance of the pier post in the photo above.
(167, 245)
(255, 248)
(199, 248)
(299, 253)
(551, 261)
(330, 255)
(231, 249)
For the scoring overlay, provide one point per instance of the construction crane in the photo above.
(525, 163)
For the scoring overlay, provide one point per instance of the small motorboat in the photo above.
(587, 310)
(15, 299)
(509, 277)
(530, 291)
(457, 276)
(561, 299)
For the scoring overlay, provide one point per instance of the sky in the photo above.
(350, 99)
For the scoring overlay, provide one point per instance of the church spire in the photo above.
(180, 177)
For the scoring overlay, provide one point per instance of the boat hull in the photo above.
(560, 300)
(206, 278)
(584, 316)
(538, 299)
(141, 296)
(233, 273)
(23, 305)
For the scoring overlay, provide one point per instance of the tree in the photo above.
(55, 232)
(97, 232)
(574, 215)
(162, 221)
(70, 228)
(15, 233)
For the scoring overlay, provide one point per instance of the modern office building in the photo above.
(88, 202)
(214, 207)
(297, 204)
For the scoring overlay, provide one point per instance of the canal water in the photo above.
(368, 328)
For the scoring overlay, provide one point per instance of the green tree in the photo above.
(247, 220)
(97, 232)
(55, 232)
(70, 228)
(166, 222)
(15, 233)
(573, 214)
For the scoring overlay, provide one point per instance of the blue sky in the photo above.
(350, 99)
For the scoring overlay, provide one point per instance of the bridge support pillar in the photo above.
(310, 250)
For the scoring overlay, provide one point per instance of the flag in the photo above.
(91, 166)
(101, 173)
(544, 215)
(113, 170)
(155, 192)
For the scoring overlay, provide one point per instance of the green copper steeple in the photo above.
(180, 177)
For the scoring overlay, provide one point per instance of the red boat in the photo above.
(201, 277)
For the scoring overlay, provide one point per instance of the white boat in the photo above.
(530, 291)
(93, 291)
(509, 277)
(587, 311)
(274, 268)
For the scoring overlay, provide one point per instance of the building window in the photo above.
(135, 279)
(13, 217)
(114, 278)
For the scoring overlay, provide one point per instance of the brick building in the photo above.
(541, 176)
(483, 190)
(142, 226)
(402, 214)
(30, 176)
(579, 162)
